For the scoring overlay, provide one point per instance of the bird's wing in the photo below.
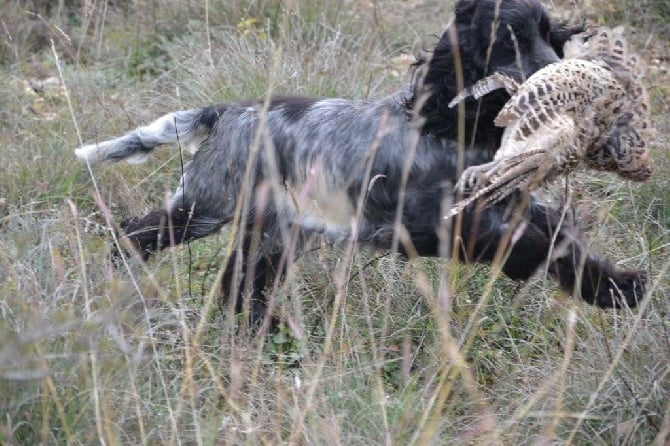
(538, 129)
(526, 162)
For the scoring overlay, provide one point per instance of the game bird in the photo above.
(588, 109)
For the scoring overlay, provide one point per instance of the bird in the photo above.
(589, 109)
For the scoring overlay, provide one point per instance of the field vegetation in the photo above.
(373, 349)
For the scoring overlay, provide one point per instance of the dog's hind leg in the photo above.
(249, 274)
(257, 265)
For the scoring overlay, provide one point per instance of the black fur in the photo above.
(330, 149)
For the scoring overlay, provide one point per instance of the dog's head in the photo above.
(508, 36)
(514, 37)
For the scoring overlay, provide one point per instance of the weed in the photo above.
(372, 348)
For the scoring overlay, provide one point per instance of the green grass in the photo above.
(374, 350)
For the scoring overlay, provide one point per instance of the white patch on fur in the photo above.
(162, 130)
(86, 153)
(318, 205)
(93, 153)
(138, 158)
(193, 146)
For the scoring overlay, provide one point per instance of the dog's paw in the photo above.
(620, 289)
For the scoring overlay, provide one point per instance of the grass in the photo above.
(375, 350)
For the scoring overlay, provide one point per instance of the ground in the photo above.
(374, 349)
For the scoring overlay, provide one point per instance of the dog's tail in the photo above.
(188, 127)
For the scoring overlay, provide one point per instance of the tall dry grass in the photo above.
(374, 349)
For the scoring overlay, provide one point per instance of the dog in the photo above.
(379, 172)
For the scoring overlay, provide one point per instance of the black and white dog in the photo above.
(373, 170)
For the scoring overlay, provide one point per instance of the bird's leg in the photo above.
(523, 171)
(474, 177)
(500, 172)
(496, 180)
